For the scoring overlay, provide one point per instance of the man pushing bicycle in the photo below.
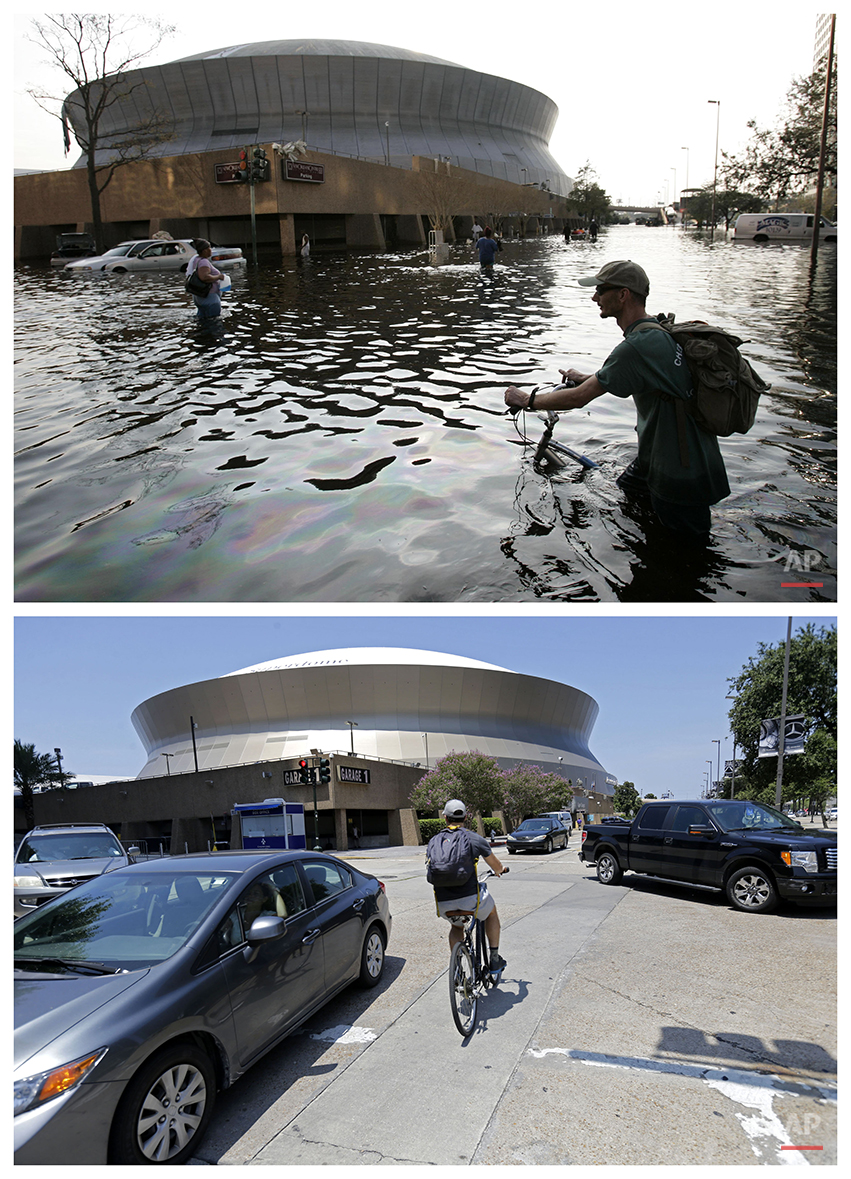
(452, 857)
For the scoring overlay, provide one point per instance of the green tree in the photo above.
(811, 693)
(473, 777)
(587, 197)
(627, 800)
(530, 790)
(98, 54)
(783, 161)
(33, 769)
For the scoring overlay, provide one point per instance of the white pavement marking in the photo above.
(757, 1091)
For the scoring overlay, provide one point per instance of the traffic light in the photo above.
(304, 772)
(324, 770)
(260, 167)
(243, 175)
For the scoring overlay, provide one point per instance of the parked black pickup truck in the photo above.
(752, 852)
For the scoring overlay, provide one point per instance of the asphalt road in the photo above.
(640, 1024)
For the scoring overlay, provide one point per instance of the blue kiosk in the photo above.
(271, 825)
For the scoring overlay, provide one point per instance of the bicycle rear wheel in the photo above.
(463, 997)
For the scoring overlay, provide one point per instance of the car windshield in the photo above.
(126, 920)
(535, 825)
(77, 845)
(748, 816)
(118, 251)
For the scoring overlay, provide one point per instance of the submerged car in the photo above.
(140, 994)
(156, 254)
(72, 246)
(542, 834)
(52, 859)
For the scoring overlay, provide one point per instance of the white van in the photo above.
(769, 227)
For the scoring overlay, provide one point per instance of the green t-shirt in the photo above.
(647, 363)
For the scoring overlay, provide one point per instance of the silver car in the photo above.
(50, 860)
(141, 993)
(156, 254)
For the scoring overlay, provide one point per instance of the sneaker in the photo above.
(497, 964)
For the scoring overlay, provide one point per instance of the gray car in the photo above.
(52, 859)
(142, 992)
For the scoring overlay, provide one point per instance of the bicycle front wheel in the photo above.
(463, 998)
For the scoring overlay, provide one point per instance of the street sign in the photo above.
(298, 170)
(227, 173)
(353, 774)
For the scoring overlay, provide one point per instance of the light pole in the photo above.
(683, 220)
(193, 726)
(168, 757)
(674, 200)
(352, 726)
(304, 115)
(387, 133)
(718, 743)
(425, 738)
(58, 753)
(715, 102)
(709, 778)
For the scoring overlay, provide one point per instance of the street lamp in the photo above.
(718, 743)
(387, 132)
(709, 781)
(715, 102)
(168, 757)
(193, 727)
(425, 738)
(352, 726)
(58, 753)
(304, 116)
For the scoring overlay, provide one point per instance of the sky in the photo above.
(633, 83)
(660, 682)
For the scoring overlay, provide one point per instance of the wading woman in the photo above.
(209, 305)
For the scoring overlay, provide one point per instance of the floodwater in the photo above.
(340, 435)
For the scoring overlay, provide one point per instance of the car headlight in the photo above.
(33, 1091)
(801, 859)
(28, 880)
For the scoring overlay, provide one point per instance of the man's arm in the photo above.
(493, 862)
(557, 398)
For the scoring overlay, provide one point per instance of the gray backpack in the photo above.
(449, 858)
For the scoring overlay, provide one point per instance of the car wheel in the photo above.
(752, 891)
(118, 269)
(609, 870)
(512, 850)
(165, 1109)
(372, 958)
(548, 846)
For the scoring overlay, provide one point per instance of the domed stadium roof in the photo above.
(317, 48)
(368, 657)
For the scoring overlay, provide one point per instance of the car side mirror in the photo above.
(701, 829)
(265, 928)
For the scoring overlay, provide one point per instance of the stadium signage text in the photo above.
(297, 170)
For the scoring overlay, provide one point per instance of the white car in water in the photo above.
(155, 254)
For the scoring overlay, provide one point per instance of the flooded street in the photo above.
(340, 435)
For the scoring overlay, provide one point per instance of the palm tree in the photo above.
(31, 769)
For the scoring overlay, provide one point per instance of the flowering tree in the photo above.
(529, 790)
(478, 781)
(473, 777)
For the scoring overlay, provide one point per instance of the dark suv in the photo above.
(52, 859)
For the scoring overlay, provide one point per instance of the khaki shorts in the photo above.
(468, 905)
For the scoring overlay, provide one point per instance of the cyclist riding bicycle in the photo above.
(470, 898)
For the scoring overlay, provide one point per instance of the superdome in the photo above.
(348, 97)
(392, 703)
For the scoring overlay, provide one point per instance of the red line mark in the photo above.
(801, 584)
(802, 1148)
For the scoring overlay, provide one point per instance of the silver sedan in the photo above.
(140, 993)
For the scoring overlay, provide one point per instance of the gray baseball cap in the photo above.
(455, 809)
(620, 274)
